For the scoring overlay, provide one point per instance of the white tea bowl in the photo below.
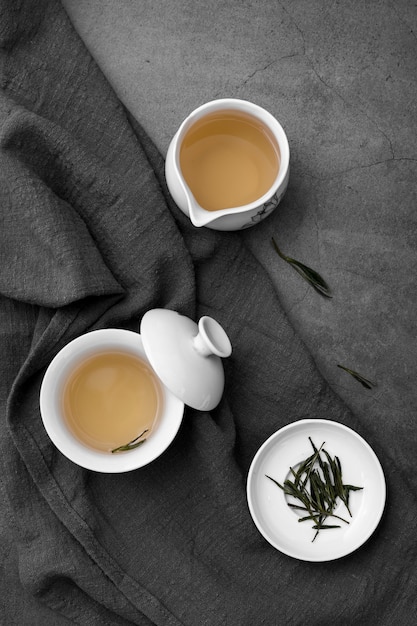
(186, 360)
(51, 405)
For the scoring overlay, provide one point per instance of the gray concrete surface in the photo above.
(341, 78)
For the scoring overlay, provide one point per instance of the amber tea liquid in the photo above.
(228, 159)
(110, 399)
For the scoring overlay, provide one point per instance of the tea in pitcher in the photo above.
(229, 159)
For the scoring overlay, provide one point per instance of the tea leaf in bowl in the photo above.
(135, 443)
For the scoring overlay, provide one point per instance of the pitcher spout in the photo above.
(198, 216)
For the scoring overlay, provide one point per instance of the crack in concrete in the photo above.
(331, 87)
(257, 71)
(300, 32)
(265, 67)
(359, 167)
(287, 56)
(402, 20)
(352, 106)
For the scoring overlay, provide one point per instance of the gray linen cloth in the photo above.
(89, 239)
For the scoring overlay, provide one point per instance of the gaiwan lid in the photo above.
(186, 355)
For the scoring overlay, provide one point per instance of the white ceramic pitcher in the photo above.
(237, 217)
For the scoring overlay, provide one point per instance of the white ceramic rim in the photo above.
(278, 524)
(256, 111)
(90, 343)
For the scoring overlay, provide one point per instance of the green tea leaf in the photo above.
(365, 382)
(276, 482)
(311, 276)
(135, 443)
(318, 485)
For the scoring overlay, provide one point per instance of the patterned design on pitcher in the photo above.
(264, 211)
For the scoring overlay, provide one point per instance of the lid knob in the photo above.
(211, 338)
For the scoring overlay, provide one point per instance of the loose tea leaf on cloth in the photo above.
(90, 239)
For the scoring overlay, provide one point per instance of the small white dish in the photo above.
(278, 523)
